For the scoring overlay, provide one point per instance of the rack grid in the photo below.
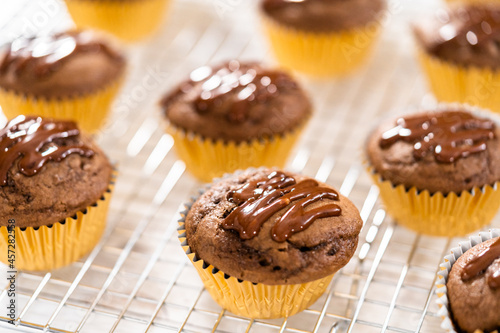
(137, 279)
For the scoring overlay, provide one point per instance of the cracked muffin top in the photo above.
(48, 171)
(438, 151)
(273, 227)
(237, 101)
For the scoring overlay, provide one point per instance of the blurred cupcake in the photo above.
(322, 37)
(235, 116)
(460, 55)
(69, 75)
(54, 192)
(267, 243)
(469, 285)
(438, 171)
(474, 2)
(129, 20)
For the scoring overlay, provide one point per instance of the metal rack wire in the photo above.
(138, 279)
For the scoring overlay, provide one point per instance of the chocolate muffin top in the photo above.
(63, 65)
(273, 227)
(467, 36)
(48, 171)
(441, 151)
(474, 288)
(237, 102)
(323, 15)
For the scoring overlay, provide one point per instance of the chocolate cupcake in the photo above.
(322, 37)
(70, 75)
(54, 192)
(268, 234)
(438, 171)
(235, 116)
(469, 286)
(459, 53)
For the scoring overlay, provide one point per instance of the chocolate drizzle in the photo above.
(448, 135)
(232, 88)
(479, 29)
(479, 263)
(35, 141)
(258, 200)
(323, 15)
(47, 53)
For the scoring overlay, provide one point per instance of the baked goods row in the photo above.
(265, 242)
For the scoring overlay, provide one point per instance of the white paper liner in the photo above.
(445, 268)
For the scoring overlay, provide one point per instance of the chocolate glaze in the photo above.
(244, 84)
(448, 135)
(467, 36)
(323, 15)
(260, 199)
(481, 261)
(35, 141)
(479, 31)
(49, 52)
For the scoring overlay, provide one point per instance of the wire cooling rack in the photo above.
(137, 279)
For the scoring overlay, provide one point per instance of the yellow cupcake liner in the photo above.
(53, 246)
(321, 54)
(437, 214)
(470, 85)
(444, 270)
(90, 111)
(258, 300)
(207, 159)
(253, 300)
(128, 20)
(472, 2)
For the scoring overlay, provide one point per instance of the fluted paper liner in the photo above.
(207, 159)
(473, 2)
(444, 271)
(59, 244)
(438, 214)
(321, 54)
(453, 83)
(89, 111)
(129, 20)
(253, 300)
